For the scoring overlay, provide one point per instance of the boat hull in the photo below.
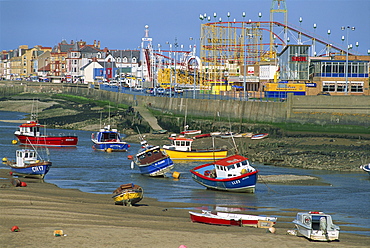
(230, 219)
(317, 235)
(191, 132)
(115, 147)
(259, 136)
(201, 218)
(245, 183)
(366, 168)
(130, 197)
(196, 154)
(56, 141)
(157, 168)
(316, 226)
(38, 170)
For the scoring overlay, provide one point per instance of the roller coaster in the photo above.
(228, 47)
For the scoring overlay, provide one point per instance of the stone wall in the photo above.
(322, 110)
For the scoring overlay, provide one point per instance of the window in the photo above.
(133, 60)
(328, 86)
(341, 86)
(125, 60)
(357, 87)
(335, 68)
(354, 68)
(341, 68)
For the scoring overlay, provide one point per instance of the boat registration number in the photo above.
(37, 168)
(235, 182)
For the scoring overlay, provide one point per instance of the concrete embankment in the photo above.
(319, 110)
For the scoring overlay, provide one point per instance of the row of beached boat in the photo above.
(316, 226)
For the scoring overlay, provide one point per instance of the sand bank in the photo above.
(92, 220)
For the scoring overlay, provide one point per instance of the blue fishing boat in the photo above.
(109, 140)
(233, 173)
(366, 167)
(152, 161)
(29, 164)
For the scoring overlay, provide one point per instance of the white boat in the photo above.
(259, 136)
(108, 139)
(243, 135)
(29, 164)
(316, 226)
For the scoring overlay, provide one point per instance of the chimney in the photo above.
(99, 44)
(94, 43)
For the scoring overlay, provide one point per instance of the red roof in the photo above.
(230, 160)
(31, 124)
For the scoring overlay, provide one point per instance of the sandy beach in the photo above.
(92, 220)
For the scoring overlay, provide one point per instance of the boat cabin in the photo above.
(232, 168)
(316, 221)
(150, 155)
(179, 144)
(31, 128)
(108, 135)
(25, 156)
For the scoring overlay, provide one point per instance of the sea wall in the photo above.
(322, 110)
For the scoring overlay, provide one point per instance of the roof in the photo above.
(181, 138)
(107, 64)
(31, 124)
(230, 160)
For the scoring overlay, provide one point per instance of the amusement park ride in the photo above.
(229, 49)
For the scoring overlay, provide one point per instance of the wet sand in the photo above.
(92, 220)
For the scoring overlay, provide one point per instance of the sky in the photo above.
(120, 24)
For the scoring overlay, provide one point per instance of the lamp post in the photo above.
(170, 55)
(194, 66)
(314, 41)
(347, 28)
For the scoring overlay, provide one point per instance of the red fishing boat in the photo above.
(230, 219)
(29, 133)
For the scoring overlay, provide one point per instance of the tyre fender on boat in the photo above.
(207, 173)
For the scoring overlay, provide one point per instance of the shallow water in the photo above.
(346, 198)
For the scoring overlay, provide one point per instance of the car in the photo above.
(178, 91)
(149, 90)
(160, 91)
(323, 93)
(138, 88)
(169, 92)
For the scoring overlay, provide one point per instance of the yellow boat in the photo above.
(180, 149)
(128, 194)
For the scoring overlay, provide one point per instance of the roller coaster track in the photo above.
(290, 27)
(310, 36)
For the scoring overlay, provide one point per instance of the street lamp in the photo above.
(346, 68)
(194, 67)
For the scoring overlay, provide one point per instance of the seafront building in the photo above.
(245, 58)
